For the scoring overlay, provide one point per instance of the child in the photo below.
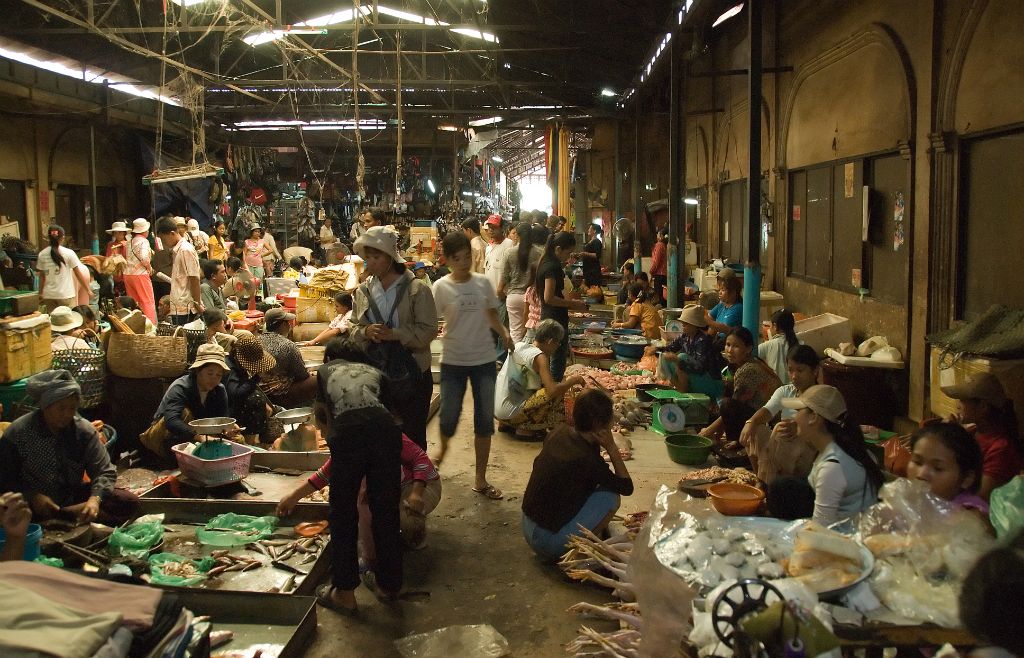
(627, 281)
(570, 485)
(533, 308)
(340, 324)
(256, 251)
(642, 313)
(946, 457)
(469, 305)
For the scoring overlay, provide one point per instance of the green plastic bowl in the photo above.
(688, 449)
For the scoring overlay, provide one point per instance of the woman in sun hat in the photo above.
(692, 359)
(63, 321)
(137, 276)
(118, 246)
(394, 307)
(249, 405)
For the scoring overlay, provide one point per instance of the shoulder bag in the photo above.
(389, 356)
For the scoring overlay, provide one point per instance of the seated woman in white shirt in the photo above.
(776, 451)
(526, 396)
(341, 323)
(775, 350)
(844, 477)
(64, 321)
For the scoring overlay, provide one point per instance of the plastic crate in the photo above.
(214, 472)
(825, 330)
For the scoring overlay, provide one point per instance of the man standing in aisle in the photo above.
(186, 295)
(471, 229)
(494, 270)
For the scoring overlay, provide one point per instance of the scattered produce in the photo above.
(595, 377)
(717, 473)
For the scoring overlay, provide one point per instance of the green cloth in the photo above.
(34, 625)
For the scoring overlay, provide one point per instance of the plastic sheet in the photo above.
(923, 547)
(479, 640)
(135, 540)
(1006, 508)
(158, 577)
(230, 529)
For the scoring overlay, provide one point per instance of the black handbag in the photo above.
(391, 357)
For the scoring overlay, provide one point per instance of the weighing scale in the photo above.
(673, 409)
(216, 446)
(298, 436)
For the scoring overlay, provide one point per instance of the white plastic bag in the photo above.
(474, 640)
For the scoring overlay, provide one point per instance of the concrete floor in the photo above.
(477, 567)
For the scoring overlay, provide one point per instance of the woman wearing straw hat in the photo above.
(118, 247)
(58, 269)
(395, 312)
(249, 405)
(197, 394)
(63, 321)
(137, 281)
(692, 360)
(45, 453)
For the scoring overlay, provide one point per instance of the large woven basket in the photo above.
(89, 368)
(140, 356)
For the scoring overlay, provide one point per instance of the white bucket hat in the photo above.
(63, 319)
(381, 238)
(192, 225)
(140, 225)
(118, 227)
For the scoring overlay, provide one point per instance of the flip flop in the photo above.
(323, 597)
(490, 491)
(370, 581)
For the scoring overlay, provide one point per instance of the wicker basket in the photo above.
(89, 368)
(193, 339)
(214, 472)
(140, 356)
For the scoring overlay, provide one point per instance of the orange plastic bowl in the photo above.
(734, 499)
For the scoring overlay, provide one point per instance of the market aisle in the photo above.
(477, 567)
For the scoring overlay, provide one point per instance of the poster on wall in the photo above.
(848, 180)
(796, 213)
(898, 234)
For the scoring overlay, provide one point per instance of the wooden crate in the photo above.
(24, 352)
(1009, 372)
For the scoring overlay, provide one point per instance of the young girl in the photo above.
(776, 452)
(550, 285)
(642, 313)
(774, 351)
(844, 477)
(217, 248)
(468, 303)
(255, 251)
(341, 323)
(946, 457)
(59, 268)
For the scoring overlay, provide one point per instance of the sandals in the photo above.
(323, 597)
(490, 491)
(370, 580)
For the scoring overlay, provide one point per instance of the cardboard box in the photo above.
(24, 352)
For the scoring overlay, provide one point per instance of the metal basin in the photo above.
(294, 416)
(216, 425)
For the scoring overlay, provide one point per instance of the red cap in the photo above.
(494, 219)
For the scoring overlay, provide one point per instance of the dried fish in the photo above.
(271, 552)
(252, 565)
(259, 548)
(216, 571)
(220, 553)
(311, 557)
(275, 542)
(289, 584)
(287, 553)
(237, 566)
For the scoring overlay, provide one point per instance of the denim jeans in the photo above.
(560, 356)
(551, 545)
(453, 390)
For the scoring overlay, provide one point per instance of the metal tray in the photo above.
(212, 425)
(183, 516)
(255, 619)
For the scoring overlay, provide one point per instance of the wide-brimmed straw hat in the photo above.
(118, 227)
(210, 353)
(63, 319)
(381, 238)
(694, 315)
(249, 353)
(140, 225)
(982, 386)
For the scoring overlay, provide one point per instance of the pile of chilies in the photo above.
(604, 561)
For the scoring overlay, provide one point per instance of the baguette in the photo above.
(815, 537)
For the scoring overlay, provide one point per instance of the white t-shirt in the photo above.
(517, 381)
(774, 403)
(60, 283)
(494, 261)
(467, 337)
(773, 352)
(840, 484)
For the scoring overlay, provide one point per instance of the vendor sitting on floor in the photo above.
(45, 453)
(750, 383)
(421, 492)
(728, 313)
(249, 405)
(341, 323)
(289, 384)
(949, 461)
(570, 485)
(694, 364)
(526, 395)
(641, 313)
(777, 452)
(216, 322)
(15, 515)
(65, 325)
(195, 395)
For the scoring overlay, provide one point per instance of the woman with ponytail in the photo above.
(774, 351)
(844, 476)
(550, 286)
(519, 263)
(642, 314)
(58, 268)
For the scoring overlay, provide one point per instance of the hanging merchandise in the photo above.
(898, 234)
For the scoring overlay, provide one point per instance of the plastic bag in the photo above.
(50, 561)
(924, 547)
(1006, 508)
(230, 529)
(135, 540)
(897, 455)
(158, 562)
(476, 640)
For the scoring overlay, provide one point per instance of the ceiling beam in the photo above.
(413, 82)
(411, 27)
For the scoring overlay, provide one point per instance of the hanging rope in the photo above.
(360, 161)
(398, 104)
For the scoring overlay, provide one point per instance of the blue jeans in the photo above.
(551, 545)
(453, 390)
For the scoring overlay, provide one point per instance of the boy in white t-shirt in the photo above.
(469, 305)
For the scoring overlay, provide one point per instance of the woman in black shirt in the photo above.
(550, 285)
(570, 485)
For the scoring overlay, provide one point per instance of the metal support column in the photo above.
(637, 203)
(752, 269)
(94, 212)
(617, 213)
(675, 140)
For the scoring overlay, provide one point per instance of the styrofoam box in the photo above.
(772, 301)
(825, 330)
